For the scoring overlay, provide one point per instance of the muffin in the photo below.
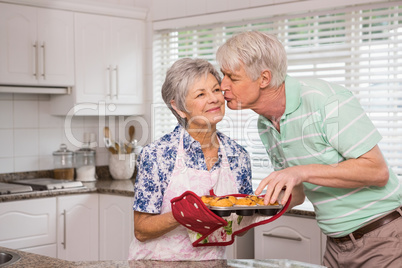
(245, 202)
(253, 197)
(206, 199)
(232, 199)
(260, 202)
(221, 202)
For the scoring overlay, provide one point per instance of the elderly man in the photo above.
(322, 145)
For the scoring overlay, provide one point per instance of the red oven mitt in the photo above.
(189, 210)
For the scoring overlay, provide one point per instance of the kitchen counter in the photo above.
(106, 185)
(35, 260)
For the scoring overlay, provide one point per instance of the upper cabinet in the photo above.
(109, 67)
(36, 46)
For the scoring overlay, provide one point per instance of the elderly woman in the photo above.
(194, 156)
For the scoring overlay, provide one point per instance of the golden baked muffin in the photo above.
(207, 199)
(253, 197)
(245, 202)
(232, 199)
(221, 202)
(260, 202)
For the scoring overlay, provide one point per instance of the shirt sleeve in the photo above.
(347, 127)
(148, 195)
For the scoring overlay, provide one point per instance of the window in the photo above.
(359, 48)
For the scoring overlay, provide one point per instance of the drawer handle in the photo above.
(283, 237)
(64, 243)
(44, 60)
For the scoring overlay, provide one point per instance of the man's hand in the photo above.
(286, 179)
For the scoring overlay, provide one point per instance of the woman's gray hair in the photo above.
(179, 79)
(257, 51)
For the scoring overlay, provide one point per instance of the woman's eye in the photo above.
(217, 90)
(200, 95)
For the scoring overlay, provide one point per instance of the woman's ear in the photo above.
(265, 78)
(181, 113)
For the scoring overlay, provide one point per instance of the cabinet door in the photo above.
(77, 235)
(116, 226)
(127, 54)
(56, 47)
(93, 62)
(289, 237)
(19, 57)
(28, 223)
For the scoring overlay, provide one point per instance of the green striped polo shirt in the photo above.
(324, 123)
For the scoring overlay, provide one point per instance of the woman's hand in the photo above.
(149, 226)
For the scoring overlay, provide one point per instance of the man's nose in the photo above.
(224, 84)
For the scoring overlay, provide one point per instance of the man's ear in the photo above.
(181, 113)
(265, 78)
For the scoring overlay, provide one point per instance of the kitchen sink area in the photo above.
(7, 258)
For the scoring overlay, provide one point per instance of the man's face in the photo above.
(240, 91)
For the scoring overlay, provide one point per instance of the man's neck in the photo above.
(272, 104)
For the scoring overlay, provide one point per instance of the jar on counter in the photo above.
(63, 162)
(85, 161)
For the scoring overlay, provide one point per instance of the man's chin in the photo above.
(233, 105)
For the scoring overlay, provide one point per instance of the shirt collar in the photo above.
(189, 142)
(292, 92)
(293, 99)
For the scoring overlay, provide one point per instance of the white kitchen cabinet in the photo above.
(29, 225)
(78, 232)
(289, 237)
(109, 67)
(116, 226)
(36, 46)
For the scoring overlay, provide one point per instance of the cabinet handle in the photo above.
(36, 60)
(117, 81)
(109, 68)
(64, 243)
(283, 237)
(44, 60)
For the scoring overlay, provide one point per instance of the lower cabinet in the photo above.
(116, 226)
(29, 225)
(78, 231)
(290, 237)
(81, 227)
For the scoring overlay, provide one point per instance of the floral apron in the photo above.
(176, 245)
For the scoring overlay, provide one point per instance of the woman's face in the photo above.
(205, 103)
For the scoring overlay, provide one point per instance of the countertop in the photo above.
(35, 260)
(106, 185)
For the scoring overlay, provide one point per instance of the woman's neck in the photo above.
(205, 136)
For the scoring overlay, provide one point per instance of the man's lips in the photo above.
(228, 99)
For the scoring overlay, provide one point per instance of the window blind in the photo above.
(359, 48)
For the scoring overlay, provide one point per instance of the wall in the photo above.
(29, 134)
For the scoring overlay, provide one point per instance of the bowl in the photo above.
(121, 166)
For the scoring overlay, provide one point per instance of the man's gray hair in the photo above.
(180, 77)
(257, 51)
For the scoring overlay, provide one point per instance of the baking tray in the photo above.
(246, 210)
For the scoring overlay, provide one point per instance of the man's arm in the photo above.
(370, 169)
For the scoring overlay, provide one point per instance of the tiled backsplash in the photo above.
(29, 134)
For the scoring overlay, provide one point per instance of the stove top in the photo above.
(49, 184)
(8, 188)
